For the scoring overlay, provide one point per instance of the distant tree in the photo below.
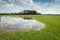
(29, 12)
(25, 12)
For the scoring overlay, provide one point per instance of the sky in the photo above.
(41, 6)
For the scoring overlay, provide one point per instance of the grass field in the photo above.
(50, 32)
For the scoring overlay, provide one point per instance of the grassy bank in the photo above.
(50, 32)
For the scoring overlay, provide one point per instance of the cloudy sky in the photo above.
(41, 6)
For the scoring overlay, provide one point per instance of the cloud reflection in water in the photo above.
(10, 23)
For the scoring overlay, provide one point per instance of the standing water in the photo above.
(13, 23)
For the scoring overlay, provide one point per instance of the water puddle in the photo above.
(13, 23)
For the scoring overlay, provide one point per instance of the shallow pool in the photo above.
(14, 23)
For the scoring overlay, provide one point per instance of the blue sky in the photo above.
(41, 6)
(43, 1)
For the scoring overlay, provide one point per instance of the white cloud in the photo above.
(57, 0)
(9, 5)
(54, 9)
(9, 8)
(0, 0)
(49, 8)
(45, 8)
(11, 1)
(25, 2)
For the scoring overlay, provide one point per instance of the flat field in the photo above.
(50, 32)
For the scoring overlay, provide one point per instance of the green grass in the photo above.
(50, 32)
